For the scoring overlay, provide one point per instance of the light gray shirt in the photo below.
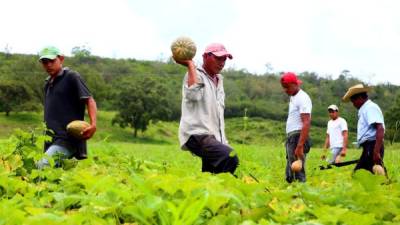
(368, 114)
(203, 106)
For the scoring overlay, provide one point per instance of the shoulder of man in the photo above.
(73, 75)
(373, 104)
(69, 72)
(303, 97)
(200, 71)
(305, 94)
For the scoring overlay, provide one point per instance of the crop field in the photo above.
(154, 182)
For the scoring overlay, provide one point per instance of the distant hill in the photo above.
(259, 95)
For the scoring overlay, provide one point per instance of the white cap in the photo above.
(333, 107)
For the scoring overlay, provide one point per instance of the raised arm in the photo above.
(192, 76)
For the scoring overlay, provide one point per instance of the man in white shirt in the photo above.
(297, 126)
(202, 126)
(336, 135)
(370, 127)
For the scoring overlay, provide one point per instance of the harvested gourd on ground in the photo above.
(378, 170)
(297, 166)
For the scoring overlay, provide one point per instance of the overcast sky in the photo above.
(362, 36)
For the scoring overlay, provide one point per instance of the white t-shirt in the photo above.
(299, 103)
(335, 130)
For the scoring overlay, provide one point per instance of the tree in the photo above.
(81, 51)
(15, 96)
(392, 121)
(140, 102)
(83, 55)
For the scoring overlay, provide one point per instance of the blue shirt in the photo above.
(368, 114)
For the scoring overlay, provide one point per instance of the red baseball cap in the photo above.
(290, 77)
(218, 49)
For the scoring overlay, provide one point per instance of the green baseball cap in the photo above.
(49, 52)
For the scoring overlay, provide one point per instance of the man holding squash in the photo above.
(202, 129)
(370, 129)
(297, 127)
(65, 98)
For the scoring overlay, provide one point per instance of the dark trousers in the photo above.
(367, 157)
(291, 144)
(216, 157)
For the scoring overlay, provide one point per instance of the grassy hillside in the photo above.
(259, 95)
(252, 130)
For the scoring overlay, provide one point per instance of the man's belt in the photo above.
(291, 133)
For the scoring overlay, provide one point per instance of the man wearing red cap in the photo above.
(297, 126)
(202, 127)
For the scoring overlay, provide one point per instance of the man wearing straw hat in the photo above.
(370, 127)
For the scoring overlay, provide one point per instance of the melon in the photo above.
(378, 170)
(76, 127)
(338, 159)
(183, 48)
(297, 166)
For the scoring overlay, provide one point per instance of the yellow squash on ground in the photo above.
(378, 170)
(297, 166)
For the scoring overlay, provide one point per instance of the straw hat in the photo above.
(356, 89)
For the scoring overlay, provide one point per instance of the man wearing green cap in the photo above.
(66, 96)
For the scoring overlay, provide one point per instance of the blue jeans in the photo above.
(335, 153)
(51, 151)
(291, 144)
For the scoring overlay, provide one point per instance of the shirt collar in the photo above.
(297, 93)
(365, 104)
(61, 73)
(219, 76)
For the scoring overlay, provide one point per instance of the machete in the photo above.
(346, 163)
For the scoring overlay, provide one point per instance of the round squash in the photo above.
(76, 127)
(378, 170)
(338, 159)
(183, 48)
(297, 166)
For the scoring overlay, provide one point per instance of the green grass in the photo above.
(251, 131)
(147, 183)
(22, 120)
(159, 133)
(162, 132)
(149, 180)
